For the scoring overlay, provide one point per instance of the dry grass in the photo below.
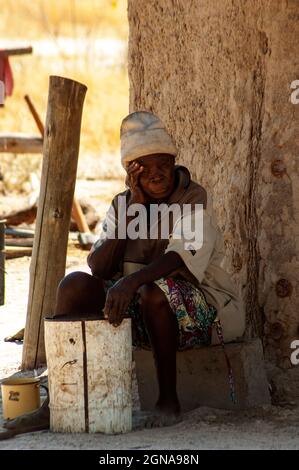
(36, 19)
(106, 101)
(105, 105)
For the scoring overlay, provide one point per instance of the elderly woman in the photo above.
(172, 294)
(172, 290)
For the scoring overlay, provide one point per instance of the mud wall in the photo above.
(219, 75)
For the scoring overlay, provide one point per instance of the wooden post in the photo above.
(35, 115)
(20, 143)
(60, 158)
(2, 263)
(77, 212)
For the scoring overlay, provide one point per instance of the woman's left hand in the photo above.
(118, 299)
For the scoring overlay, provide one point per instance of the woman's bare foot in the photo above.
(168, 407)
(167, 413)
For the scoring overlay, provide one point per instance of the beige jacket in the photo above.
(203, 266)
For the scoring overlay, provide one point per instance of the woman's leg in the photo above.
(162, 329)
(80, 295)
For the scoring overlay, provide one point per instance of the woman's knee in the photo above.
(152, 296)
(74, 284)
(79, 293)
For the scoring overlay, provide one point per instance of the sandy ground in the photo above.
(264, 428)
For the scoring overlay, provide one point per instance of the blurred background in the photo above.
(83, 40)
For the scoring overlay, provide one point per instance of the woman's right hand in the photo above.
(134, 169)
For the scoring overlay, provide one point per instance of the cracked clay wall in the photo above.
(219, 75)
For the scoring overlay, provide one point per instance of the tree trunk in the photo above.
(20, 143)
(90, 375)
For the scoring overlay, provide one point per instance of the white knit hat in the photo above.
(142, 133)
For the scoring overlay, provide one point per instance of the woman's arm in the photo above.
(104, 261)
(120, 295)
(161, 267)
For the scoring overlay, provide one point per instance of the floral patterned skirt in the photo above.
(194, 315)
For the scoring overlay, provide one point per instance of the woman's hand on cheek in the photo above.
(134, 169)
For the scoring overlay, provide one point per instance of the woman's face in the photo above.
(157, 177)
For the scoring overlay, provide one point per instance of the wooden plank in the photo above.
(2, 277)
(2, 263)
(35, 115)
(28, 242)
(17, 252)
(20, 143)
(60, 159)
(19, 51)
(24, 233)
(23, 215)
(2, 237)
